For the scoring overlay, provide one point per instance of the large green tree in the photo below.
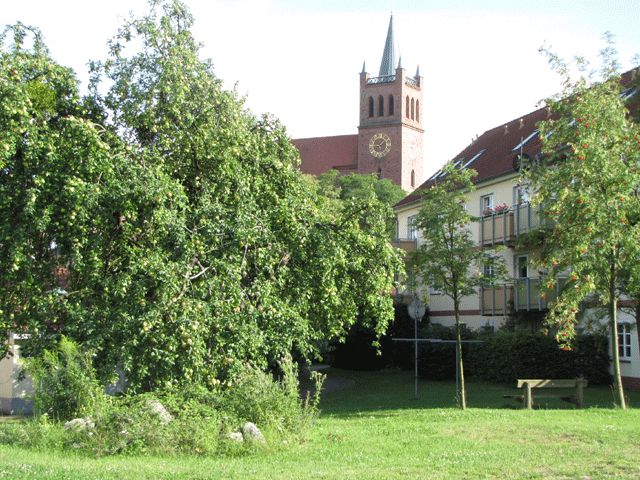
(448, 258)
(362, 188)
(189, 242)
(589, 183)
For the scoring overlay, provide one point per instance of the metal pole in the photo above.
(415, 333)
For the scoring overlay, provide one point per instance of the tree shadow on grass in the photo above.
(379, 393)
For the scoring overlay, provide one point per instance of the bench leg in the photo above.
(580, 393)
(528, 400)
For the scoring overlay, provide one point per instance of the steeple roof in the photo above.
(388, 63)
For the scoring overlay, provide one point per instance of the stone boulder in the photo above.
(156, 408)
(235, 437)
(80, 424)
(251, 433)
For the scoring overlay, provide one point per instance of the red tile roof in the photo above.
(320, 154)
(497, 147)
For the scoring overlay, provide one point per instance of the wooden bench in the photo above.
(529, 385)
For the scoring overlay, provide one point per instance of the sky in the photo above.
(300, 60)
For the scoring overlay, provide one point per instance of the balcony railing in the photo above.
(412, 82)
(496, 300)
(522, 295)
(406, 244)
(506, 226)
(385, 79)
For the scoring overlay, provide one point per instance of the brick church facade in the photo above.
(389, 142)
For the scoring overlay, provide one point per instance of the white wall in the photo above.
(14, 393)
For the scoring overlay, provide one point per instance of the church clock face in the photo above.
(379, 145)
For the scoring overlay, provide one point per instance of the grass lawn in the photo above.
(374, 428)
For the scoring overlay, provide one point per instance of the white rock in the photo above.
(235, 436)
(80, 424)
(158, 409)
(251, 433)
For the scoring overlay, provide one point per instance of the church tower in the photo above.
(390, 133)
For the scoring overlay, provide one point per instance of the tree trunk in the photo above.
(615, 354)
(613, 328)
(462, 391)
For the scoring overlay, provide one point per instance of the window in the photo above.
(412, 233)
(520, 194)
(406, 108)
(380, 106)
(627, 93)
(413, 178)
(473, 159)
(487, 271)
(486, 204)
(370, 106)
(413, 112)
(380, 174)
(417, 110)
(391, 105)
(523, 142)
(624, 341)
(522, 266)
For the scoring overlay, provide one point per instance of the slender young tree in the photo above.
(588, 184)
(449, 259)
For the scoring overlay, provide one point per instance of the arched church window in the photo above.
(406, 108)
(413, 106)
(380, 176)
(391, 106)
(380, 106)
(417, 110)
(371, 106)
(413, 178)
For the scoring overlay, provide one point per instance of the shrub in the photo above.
(359, 352)
(507, 356)
(64, 382)
(504, 357)
(437, 361)
(126, 425)
(257, 397)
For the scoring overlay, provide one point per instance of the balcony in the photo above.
(497, 228)
(531, 295)
(496, 300)
(506, 226)
(521, 295)
(407, 244)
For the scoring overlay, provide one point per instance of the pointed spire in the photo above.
(389, 55)
(418, 72)
(400, 62)
(364, 67)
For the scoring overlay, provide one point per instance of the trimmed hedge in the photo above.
(504, 357)
(437, 361)
(507, 356)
